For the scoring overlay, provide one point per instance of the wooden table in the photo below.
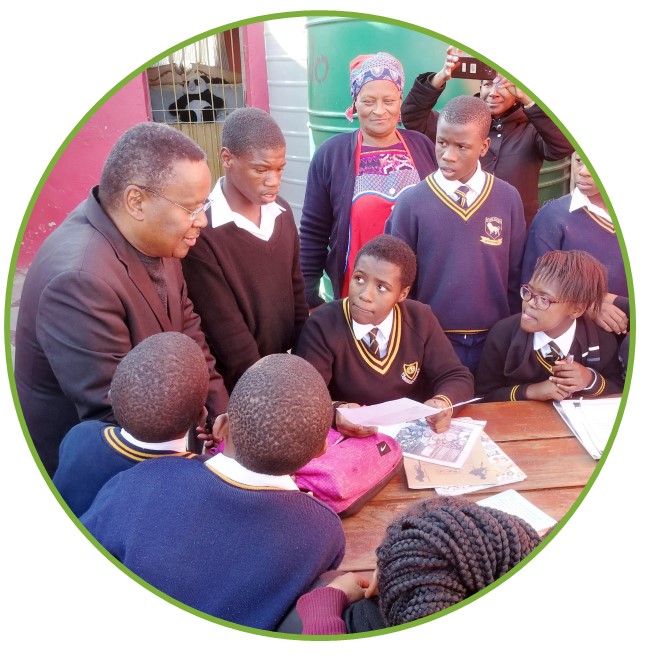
(531, 433)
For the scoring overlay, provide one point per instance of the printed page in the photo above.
(388, 413)
(450, 448)
(591, 421)
(511, 501)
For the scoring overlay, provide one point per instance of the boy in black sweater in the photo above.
(553, 350)
(244, 275)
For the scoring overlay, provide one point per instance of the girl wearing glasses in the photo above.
(552, 350)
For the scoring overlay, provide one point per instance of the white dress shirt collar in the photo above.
(234, 471)
(475, 183)
(176, 445)
(222, 214)
(384, 331)
(580, 200)
(564, 341)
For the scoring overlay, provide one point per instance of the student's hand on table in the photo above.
(350, 429)
(545, 391)
(503, 83)
(353, 585)
(611, 318)
(571, 377)
(439, 80)
(441, 421)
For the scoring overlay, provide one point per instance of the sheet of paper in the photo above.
(388, 413)
(511, 501)
(591, 420)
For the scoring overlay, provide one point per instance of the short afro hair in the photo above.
(581, 278)
(443, 550)
(279, 415)
(393, 250)
(159, 388)
(145, 155)
(463, 110)
(248, 128)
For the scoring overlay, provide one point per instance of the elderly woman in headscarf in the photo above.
(355, 178)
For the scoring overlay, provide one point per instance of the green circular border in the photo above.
(12, 270)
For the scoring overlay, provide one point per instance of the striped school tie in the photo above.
(555, 355)
(374, 347)
(461, 193)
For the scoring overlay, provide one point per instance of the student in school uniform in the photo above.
(244, 277)
(233, 536)
(376, 345)
(467, 230)
(552, 350)
(157, 394)
(581, 221)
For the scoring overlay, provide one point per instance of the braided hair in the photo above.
(442, 550)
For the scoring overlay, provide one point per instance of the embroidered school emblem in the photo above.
(410, 373)
(493, 231)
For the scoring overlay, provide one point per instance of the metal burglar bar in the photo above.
(195, 88)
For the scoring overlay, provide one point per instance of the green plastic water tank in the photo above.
(554, 179)
(334, 41)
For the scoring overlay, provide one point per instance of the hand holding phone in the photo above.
(469, 67)
(439, 80)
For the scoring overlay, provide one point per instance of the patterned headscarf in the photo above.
(370, 67)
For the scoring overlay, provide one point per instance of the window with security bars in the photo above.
(196, 87)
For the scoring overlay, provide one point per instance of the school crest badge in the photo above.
(493, 231)
(410, 373)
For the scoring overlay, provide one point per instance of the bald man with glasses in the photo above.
(107, 278)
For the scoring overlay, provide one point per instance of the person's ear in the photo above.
(220, 426)
(404, 294)
(485, 147)
(576, 310)
(226, 157)
(324, 448)
(134, 202)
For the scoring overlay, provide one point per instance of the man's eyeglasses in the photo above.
(538, 301)
(192, 213)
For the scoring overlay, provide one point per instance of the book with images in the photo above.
(450, 448)
(498, 469)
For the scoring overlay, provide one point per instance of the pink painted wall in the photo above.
(256, 75)
(80, 165)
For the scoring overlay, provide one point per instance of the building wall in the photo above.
(286, 63)
(80, 164)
